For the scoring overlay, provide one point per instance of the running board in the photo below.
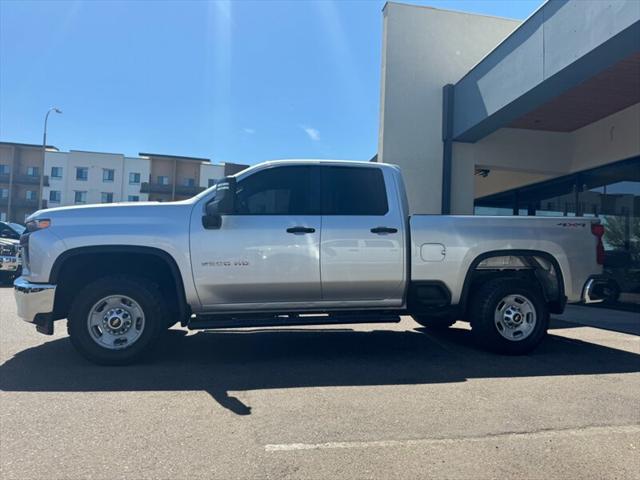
(213, 321)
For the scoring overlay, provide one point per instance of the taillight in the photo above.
(598, 230)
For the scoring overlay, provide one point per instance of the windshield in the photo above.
(19, 229)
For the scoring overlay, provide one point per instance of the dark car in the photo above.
(10, 261)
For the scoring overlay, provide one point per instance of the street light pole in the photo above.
(44, 149)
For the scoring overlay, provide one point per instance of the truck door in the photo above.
(267, 251)
(362, 254)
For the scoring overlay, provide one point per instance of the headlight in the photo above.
(37, 224)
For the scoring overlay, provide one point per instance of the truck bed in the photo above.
(443, 248)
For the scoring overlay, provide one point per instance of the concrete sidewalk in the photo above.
(608, 319)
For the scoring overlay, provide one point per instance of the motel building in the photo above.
(492, 116)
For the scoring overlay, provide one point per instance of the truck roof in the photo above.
(312, 161)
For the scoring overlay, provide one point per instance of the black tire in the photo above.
(483, 309)
(613, 293)
(433, 321)
(141, 290)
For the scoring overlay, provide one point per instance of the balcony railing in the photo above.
(24, 179)
(22, 203)
(148, 187)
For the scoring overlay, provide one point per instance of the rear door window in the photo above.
(353, 191)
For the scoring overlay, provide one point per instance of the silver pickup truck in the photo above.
(299, 243)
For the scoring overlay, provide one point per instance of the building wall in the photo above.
(135, 165)
(187, 170)
(18, 157)
(94, 185)
(615, 137)
(210, 171)
(162, 167)
(22, 190)
(423, 50)
(59, 160)
(520, 157)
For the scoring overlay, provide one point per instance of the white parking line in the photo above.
(585, 431)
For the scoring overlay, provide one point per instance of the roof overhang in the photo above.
(173, 157)
(569, 64)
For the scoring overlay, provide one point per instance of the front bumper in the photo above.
(35, 302)
(596, 290)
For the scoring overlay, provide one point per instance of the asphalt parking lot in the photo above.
(373, 401)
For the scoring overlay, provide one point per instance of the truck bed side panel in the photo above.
(444, 247)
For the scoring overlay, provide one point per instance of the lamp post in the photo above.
(44, 149)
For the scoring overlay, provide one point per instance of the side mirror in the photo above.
(222, 204)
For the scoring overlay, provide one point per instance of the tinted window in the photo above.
(353, 191)
(276, 191)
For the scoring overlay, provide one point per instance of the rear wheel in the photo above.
(434, 321)
(117, 320)
(509, 316)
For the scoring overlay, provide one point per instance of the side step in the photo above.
(213, 321)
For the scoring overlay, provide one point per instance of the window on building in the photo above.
(108, 174)
(107, 197)
(4, 169)
(3, 216)
(134, 198)
(134, 178)
(610, 192)
(33, 171)
(189, 182)
(212, 182)
(80, 197)
(276, 191)
(55, 196)
(56, 172)
(82, 173)
(163, 180)
(30, 194)
(353, 191)
(4, 193)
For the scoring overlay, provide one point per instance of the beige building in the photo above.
(177, 178)
(492, 116)
(80, 177)
(21, 169)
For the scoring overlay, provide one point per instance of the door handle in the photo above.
(381, 230)
(300, 230)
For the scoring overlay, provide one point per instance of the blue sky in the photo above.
(238, 81)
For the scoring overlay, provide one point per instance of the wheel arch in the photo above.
(118, 259)
(556, 300)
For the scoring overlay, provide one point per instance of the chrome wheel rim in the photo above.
(515, 317)
(115, 322)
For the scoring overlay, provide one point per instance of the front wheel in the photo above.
(509, 316)
(116, 320)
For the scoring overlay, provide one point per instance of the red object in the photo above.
(598, 230)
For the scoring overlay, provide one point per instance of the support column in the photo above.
(447, 147)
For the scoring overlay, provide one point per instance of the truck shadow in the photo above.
(220, 362)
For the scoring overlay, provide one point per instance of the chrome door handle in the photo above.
(382, 230)
(297, 230)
